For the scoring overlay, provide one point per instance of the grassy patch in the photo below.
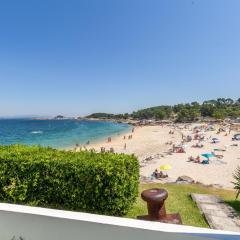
(179, 200)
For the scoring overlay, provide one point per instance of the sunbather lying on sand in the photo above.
(191, 159)
(158, 175)
(197, 160)
(219, 156)
(197, 145)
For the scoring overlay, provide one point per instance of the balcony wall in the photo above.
(31, 223)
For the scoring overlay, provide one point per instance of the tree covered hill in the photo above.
(100, 115)
(220, 108)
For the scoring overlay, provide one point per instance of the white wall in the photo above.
(31, 223)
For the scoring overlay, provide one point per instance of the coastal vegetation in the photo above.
(179, 200)
(236, 177)
(219, 109)
(87, 181)
(108, 116)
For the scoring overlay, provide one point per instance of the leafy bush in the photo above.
(103, 183)
(236, 177)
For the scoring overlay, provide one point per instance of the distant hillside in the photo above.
(100, 115)
(59, 117)
(108, 116)
(220, 108)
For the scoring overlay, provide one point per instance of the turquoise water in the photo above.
(56, 133)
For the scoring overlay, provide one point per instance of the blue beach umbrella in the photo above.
(207, 155)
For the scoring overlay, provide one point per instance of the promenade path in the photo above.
(218, 214)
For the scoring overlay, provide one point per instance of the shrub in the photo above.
(103, 183)
(236, 177)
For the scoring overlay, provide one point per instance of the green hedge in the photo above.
(103, 183)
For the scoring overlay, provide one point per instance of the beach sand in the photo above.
(150, 141)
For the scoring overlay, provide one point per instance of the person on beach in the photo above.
(197, 160)
(88, 142)
(125, 146)
(77, 148)
(124, 137)
(158, 175)
(111, 150)
(173, 147)
(155, 173)
(191, 159)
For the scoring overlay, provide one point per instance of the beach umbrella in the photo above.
(166, 167)
(208, 155)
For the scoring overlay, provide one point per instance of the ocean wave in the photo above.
(37, 132)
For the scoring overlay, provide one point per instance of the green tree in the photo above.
(234, 113)
(188, 115)
(229, 101)
(159, 114)
(178, 108)
(220, 114)
(207, 109)
(211, 102)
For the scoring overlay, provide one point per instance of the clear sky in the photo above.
(80, 56)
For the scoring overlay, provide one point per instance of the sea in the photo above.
(58, 134)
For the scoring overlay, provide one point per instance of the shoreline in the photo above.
(100, 140)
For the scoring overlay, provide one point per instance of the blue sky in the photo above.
(76, 57)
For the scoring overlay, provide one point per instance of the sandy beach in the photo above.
(149, 142)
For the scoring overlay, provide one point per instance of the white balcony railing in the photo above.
(31, 223)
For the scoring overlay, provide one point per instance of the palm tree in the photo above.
(236, 176)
